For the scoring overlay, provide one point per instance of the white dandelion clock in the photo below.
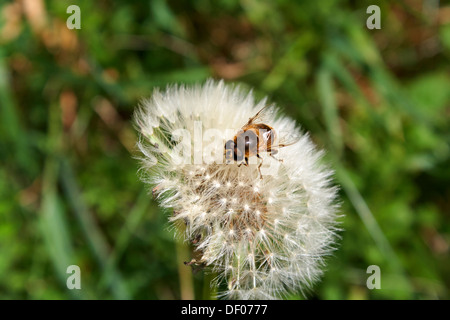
(260, 211)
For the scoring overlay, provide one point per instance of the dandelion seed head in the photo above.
(264, 237)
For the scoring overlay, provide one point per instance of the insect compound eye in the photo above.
(247, 141)
(229, 145)
(232, 153)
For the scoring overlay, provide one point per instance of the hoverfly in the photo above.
(254, 138)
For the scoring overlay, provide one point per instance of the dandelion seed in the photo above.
(284, 224)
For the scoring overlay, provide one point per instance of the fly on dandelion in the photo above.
(254, 138)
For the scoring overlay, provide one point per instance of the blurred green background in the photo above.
(377, 100)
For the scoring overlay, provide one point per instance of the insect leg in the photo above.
(245, 162)
(259, 166)
(272, 155)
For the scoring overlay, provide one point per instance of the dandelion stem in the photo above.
(184, 272)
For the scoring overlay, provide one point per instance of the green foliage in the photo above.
(377, 100)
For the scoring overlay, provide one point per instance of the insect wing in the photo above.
(262, 116)
(286, 139)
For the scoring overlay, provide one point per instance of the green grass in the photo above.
(376, 100)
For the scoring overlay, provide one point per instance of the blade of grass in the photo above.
(291, 59)
(326, 93)
(52, 220)
(132, 222)
(366, 215)
(371, 224)
(54, 227)
(9, 121)
(92, 232)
